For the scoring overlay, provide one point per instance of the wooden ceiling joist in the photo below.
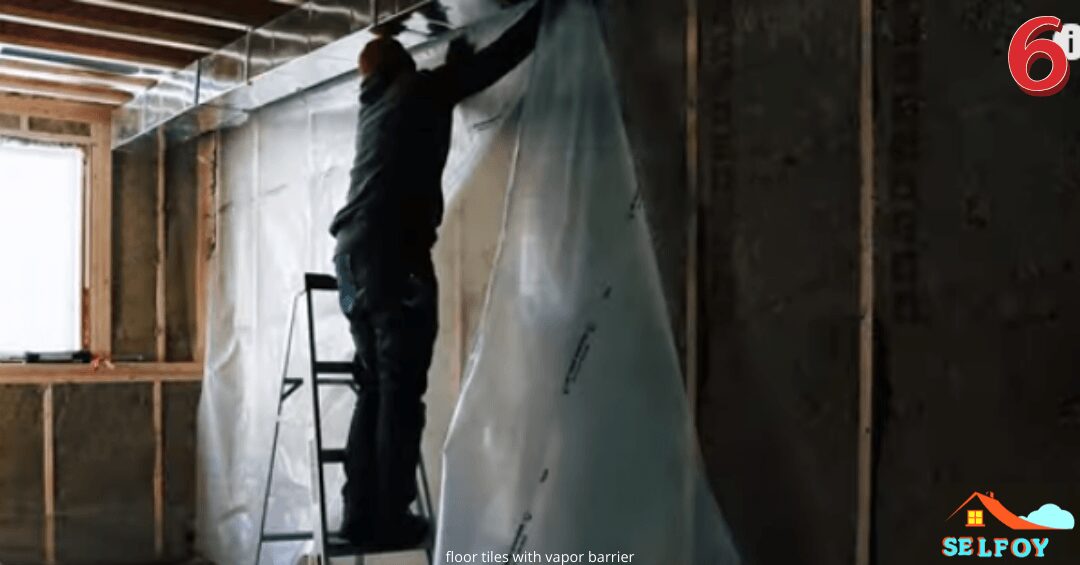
(248, 12)
(91, 50)
(63, 73)
(96, 17)
(94, 46)
(81, 93)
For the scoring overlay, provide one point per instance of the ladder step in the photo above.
(334, 368)
(337, 546)
(287, 536)
(336, 382)
(316, 281)
(332, 456)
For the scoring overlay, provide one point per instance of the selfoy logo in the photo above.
(979, 508)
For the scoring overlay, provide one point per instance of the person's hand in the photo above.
(460, 49)
(389, 29)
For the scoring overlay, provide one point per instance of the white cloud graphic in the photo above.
(1051, 516)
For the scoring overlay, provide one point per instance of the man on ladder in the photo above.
(386, 279)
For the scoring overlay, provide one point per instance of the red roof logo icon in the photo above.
(978, 503)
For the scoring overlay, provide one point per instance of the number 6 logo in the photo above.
(1024, 50)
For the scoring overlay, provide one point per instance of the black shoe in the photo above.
(402, 532)
(358, 531)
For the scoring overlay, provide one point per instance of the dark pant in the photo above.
(393, 316)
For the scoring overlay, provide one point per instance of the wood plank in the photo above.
(101, 18)
(160, 321)
(693, 229)
(97, 94)
(62, 73)
(100, 230)
(94, 46)
(248, 12)
(159, 473)
(865, 433)
(44, 374)
(49, 471)
(205, 231)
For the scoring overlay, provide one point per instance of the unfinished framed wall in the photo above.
(162, 240)
(97, 460)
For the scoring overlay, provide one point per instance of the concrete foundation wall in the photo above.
(976, 257)
(181, 250)
(978, 267)
(134, 250)
(22, 475)
(105, 459)
(779, 174)
(103, 444)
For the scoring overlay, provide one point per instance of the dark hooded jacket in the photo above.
(395, 201)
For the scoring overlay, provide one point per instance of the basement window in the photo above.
(41, 246)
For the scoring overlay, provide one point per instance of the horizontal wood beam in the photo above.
(94, 46)
(45, 137)
(51, 108)
(95, 17)
(249, 12)
(35, 374)
(62, 73)
(98, 94)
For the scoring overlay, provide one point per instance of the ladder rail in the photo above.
(319, 487)
(284, 393)
(429, 511)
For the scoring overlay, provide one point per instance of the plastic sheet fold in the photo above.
(571, 433)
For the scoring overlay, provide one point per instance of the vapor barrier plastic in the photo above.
(572, 433)
(284, 174)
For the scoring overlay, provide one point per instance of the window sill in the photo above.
(63, 373)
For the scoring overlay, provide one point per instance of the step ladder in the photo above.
(327, 544)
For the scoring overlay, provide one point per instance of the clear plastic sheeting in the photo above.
(284, 174)
(572, 433)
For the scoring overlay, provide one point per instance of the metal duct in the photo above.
(309, 46)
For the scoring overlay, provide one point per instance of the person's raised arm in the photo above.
(469, 73)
